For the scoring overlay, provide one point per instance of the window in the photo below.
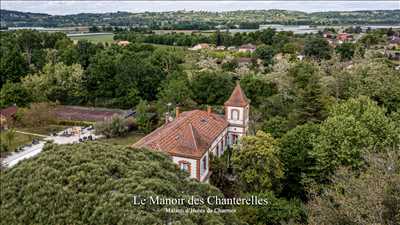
(184, 165)
(235, 114)
(205, 163)
(234, 139)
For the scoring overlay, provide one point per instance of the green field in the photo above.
(95, 38)
(18, 140)
(129, 139)
(46, 130)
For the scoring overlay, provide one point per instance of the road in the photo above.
(26, 153)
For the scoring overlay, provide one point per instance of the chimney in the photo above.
(209, 110)
(177, 112)
(166, 118)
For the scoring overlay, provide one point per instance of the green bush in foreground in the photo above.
(94, 183)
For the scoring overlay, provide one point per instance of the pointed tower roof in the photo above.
(238, 98)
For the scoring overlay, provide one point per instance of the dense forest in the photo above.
(324, 138)
(200, 20)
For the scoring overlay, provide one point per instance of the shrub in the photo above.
(38, 115)
(116, 126)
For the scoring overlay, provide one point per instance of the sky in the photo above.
(73, 7)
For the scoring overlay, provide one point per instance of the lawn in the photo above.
(18, 140)
(47, 130)
(95, 38)
(129, 139)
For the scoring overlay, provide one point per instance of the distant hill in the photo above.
(200, 19)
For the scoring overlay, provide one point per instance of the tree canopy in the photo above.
(94, 183)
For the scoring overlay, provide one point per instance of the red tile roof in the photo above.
(238, 98)
(248, 46)
(9, 111)
(190, 135)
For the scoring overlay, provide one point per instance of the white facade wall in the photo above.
(217, 141)
(238, 120)
(236, 129)
(204, 173)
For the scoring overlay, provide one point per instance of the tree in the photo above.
(266, 54)
(221, 176)
(298, 160)
(9, 137)
(56, 82)
(138, 70)
(176, 91)
(95, 183)
(211, 88)
(367, 197)
(346, 50)
(28, 40)
(67, 52)
(257, 88)
(309, 104)
(167, 59)
(86, 50)
(267, 36)
(116, 126)
(142, 117)
(14, 93)
(317, 48)
(376, 80)
(277, 126)
(352, 129)
(12, 64)
(38, 115)
(256, 162)
(370, 39)
(278, 211)
(290, 48)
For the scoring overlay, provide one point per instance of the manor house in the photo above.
(193, 135)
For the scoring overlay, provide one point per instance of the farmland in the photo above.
(95, 37)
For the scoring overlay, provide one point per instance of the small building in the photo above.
(7, 116)
(392, 55)
(123, 43)
(328, 34)
(200, 47)
(344, 37)
(220, 48)
(231, 48)
(247, 48)
(394, 42)
(194, 135)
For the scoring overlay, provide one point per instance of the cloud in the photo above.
(73, 7)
